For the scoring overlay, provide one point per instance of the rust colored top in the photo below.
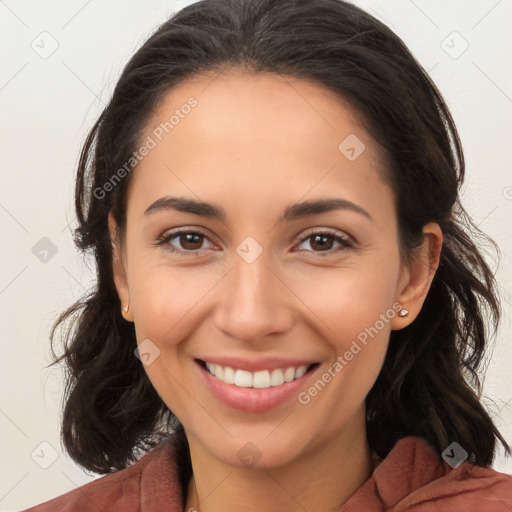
(411, 478)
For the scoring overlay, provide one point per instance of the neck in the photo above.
(322, 479)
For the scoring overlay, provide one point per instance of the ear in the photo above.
(118, 269)
(417, 277)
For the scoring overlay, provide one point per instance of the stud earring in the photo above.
(403, 313)
(125, 311)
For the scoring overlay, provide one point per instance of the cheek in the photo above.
(353, 310)
(360, 339)
(348, 299)
(167, 301)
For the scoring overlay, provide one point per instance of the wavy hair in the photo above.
(429, 385)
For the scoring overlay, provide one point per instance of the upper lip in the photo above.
(256, 365)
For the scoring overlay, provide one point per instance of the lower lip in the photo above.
(253, 399)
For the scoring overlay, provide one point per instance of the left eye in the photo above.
(323, 242)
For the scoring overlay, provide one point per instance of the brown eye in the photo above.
(190, 241)
(185, 242)
(323, 242)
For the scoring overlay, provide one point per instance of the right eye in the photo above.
(190, 241)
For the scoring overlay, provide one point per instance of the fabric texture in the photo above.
(411, 478)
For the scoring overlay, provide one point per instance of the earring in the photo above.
(403, 313)
(126, 314)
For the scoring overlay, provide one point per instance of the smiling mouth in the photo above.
(258, 380)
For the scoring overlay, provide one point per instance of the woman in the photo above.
(290, 309)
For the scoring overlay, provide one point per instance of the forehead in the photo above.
(256, 134)
(260, 104)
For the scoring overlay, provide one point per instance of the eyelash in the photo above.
(346, 243)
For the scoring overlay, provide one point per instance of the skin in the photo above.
(254, 145)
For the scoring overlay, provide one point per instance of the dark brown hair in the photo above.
(429, 385)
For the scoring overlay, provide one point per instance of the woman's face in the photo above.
(261, 282)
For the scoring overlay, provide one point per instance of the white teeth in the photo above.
(243, 379)
(300, 371)
(289, 374)
(229, 375)
(261, 379)
(219, 371)
(276, 377)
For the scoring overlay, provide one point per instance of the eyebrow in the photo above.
(295, 211)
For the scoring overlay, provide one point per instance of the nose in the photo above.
(254, 302)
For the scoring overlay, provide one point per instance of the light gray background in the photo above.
(47, 106)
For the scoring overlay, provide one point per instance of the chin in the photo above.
(256, 451)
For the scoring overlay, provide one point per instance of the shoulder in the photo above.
(465, 487)
(130, 490)
(414, 478)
